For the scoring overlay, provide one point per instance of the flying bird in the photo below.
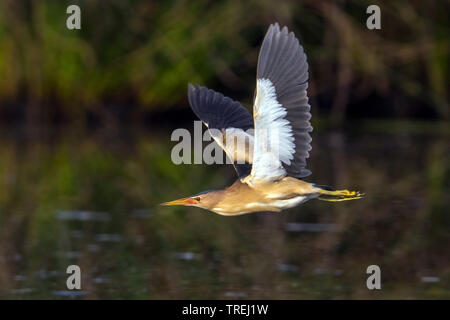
(271, 164)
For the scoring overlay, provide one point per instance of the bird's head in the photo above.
(205, 200)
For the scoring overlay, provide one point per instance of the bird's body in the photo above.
(283, 194)
(269, 152)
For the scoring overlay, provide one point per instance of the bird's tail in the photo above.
(329, 194)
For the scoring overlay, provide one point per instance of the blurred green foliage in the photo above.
(142, 54)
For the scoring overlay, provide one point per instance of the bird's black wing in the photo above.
(222, 113)
(282, 61)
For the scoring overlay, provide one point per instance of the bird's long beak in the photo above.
(179, 202)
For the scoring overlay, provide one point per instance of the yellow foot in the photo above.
(339, 195)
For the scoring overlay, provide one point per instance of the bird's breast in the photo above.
(289, 203)
(260, 206)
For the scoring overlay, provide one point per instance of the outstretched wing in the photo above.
(227, 122)
(281, 110)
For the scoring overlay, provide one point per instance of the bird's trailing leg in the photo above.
(327, 194)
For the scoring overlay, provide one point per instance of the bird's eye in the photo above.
(197, 199)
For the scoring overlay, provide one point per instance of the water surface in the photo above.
(91, 199)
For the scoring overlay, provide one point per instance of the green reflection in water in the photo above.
(92, 200)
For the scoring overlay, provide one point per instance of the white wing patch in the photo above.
(273, 139)
(237, 144)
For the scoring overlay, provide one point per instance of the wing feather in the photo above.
(281, 106)
(228, 122)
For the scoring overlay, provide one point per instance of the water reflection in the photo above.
(94, 203)
(310, 227)
(82, 215)
(69, 293)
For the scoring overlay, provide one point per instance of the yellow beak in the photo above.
(179, 202)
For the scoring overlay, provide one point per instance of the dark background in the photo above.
(85, 123)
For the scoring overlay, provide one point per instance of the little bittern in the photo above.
(270, 167)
